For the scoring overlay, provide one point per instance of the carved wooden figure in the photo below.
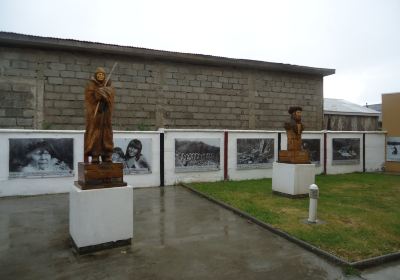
(294, 129)
(99, 104)
(100, 172)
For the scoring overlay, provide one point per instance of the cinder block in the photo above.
(59, 88)
(26, 122)
(8, 122)
(73, 82)
(57, 66)
(18, 64)
(67, 74)
(22, 88)
(53, 80)
(28, 113)
(5, 87)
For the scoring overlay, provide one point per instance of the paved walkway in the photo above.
(177, 235)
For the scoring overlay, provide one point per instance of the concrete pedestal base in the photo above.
(100, 218)
(292, 180)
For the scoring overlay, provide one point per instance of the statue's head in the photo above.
(100, 74)
(295, 112)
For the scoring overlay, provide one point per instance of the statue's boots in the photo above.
(95, 159)
(107, 158)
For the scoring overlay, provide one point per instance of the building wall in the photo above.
(390, 122)
(44, 89)
(350, 123)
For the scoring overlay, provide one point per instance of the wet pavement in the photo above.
(389, 271)
(177, 235)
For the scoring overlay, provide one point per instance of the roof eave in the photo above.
(326, 112)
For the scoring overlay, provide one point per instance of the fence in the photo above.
(43, 161)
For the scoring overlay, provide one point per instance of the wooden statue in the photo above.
(294, 128)
(99, 104)
(100, 172)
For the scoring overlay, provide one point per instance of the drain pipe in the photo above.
(312, 212)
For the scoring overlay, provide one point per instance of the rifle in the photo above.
(105, 84)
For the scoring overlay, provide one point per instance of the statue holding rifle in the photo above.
(99, 104)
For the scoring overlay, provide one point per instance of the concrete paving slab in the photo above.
(390, 271)
(177, 235)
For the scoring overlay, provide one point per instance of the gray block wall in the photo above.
(44, 89)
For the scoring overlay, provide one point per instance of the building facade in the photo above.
(42, 82)
(342, 115)
(390, 124)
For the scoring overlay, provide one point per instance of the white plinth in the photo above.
(292, 179)
(100, 216)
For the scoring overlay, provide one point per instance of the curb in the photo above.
(324, 254)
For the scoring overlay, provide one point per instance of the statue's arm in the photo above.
(92, 93)
(105, 94)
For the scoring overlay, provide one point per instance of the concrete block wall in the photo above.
(44, 89)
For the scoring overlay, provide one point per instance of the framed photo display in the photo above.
(345, 151)
(41, 157)
(134, 153)
(197, 154)
(254, 153)
(393, 149)
(313, 146)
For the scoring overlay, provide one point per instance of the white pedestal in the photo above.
(292, 179)
(100, 218)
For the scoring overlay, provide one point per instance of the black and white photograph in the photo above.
(313, 146)
(255, 153)
(41, 157)
(197, 154)
(345, 151)
(393, 149)
(135, 154)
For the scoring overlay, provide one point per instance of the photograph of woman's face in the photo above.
(133, 154)
(40, 158)
(132, 151)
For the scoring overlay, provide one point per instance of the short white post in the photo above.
(312, 213)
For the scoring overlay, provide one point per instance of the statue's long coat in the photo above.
(99, 133)
(294, 130)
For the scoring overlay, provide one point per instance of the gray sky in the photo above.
(358, 38)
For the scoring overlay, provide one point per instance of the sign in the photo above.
(393, 149)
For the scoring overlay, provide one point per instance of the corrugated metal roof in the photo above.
(344, 107)
(376, 107)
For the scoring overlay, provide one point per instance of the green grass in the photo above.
(361, 211)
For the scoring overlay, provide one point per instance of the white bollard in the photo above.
(312, 213)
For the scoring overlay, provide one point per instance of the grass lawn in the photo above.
(361, 211)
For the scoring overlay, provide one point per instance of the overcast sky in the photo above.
(358, 38)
